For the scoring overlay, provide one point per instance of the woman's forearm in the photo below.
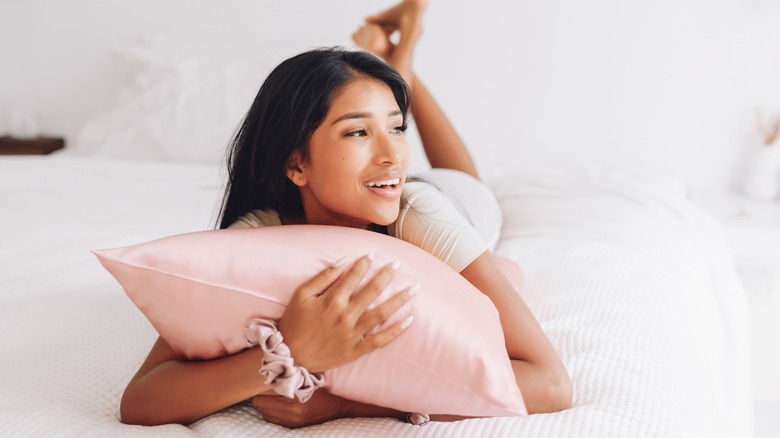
(539, 371)
(174, 391)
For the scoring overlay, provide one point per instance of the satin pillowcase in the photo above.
(200, 289)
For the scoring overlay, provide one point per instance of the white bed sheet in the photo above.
(633, 285)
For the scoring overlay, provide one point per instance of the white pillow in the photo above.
(185, 103)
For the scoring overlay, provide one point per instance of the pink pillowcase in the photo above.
(200, 289)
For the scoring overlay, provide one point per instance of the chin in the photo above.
(386, 220)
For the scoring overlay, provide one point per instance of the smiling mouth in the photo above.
(387, 184)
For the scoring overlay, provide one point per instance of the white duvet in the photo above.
(633, 285)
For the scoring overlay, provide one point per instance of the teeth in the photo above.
(390, 182)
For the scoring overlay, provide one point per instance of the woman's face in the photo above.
(358, 159)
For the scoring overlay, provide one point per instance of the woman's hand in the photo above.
(321, 407)
(327, 321)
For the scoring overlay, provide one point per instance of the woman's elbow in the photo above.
(559, 394)
(127, 413)
(131, 411)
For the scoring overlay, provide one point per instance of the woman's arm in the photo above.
(540, 373)
(440, 140)
(324, 406)
(321, 407)
(325, 325)
(169, 390)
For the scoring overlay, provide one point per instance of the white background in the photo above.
(668, 84)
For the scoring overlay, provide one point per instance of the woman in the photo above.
(323, 143)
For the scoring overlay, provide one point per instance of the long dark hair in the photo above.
(291, 104)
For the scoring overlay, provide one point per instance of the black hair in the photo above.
(292, 102)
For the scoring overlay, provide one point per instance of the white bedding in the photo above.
(633, 285)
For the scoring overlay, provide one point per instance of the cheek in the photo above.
(405, 155)
(334, 172)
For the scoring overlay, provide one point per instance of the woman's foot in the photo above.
(374, 36)
(374, 39)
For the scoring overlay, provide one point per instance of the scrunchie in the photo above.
(417, 419)
(279, 369)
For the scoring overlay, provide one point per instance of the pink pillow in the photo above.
(200, 289)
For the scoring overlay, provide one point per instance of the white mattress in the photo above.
(633, 285)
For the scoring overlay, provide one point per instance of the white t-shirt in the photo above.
(428, 219)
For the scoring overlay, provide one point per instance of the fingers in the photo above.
(343, 288)
(278, 410)
(320, 282)
(334, 281)
(378, 340)
(327, 327)
(381, 313)
(269, 401)
(368, 293)
(360, 301)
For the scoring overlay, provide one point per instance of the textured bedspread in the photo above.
(631, 282)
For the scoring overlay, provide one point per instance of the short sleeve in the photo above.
(256, 219)
(430, 221)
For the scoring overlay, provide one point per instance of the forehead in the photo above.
(362, 94)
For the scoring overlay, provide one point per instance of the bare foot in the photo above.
(374, 36)
(374, 39)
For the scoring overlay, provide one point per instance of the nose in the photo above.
(389, 150)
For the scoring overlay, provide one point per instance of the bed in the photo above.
(633, 284)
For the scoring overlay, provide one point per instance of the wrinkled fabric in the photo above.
(279, 368)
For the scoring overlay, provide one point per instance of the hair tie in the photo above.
(417, 419)
(279, 369)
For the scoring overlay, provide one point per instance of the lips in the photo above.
(387, 185)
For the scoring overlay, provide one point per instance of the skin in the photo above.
(360, 142)
(540, 374)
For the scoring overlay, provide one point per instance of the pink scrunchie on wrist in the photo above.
(279, 369)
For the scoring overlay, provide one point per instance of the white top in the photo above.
(427, 219)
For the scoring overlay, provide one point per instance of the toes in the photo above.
(372, 38)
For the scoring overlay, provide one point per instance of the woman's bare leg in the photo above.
(441, 142)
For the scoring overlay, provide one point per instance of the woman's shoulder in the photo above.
(423, 197)
(256, 219)
(417, 189)
(429, 220)
(421, 204)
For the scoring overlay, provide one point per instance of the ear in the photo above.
(294, 170)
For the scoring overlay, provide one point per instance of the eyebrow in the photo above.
(363, 115)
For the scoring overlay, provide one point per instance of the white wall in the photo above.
(670, 84)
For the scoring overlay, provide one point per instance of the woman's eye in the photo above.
(399, 129)
(356, 133)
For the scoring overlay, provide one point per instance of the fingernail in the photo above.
(413, 290)
(407, 322)
(371, 255)
(340, 262)
(396, 264)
